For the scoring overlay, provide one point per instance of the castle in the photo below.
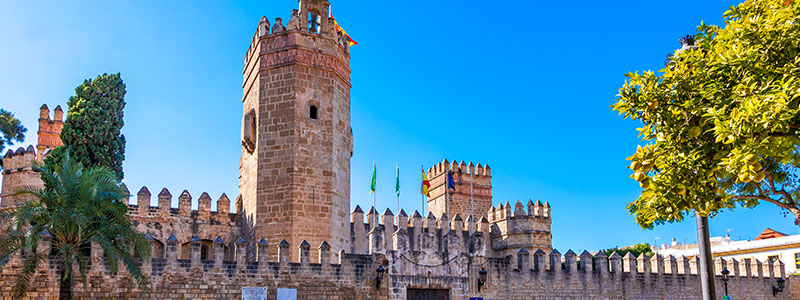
(294, 204)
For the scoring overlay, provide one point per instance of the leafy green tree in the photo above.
(78, 207)
(92, 131)
(636, 250)
(721, 122)
(12, 130)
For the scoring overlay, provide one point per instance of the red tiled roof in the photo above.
(769, 233)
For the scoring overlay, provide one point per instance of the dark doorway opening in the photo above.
(427, 294)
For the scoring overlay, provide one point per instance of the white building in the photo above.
(769, 245)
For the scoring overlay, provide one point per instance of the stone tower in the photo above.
(296, 137)
(49, 129)
(18, 165)
(460, 198)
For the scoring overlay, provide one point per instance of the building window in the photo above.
(797, 260)
(772, 258)
(249, 136)
(312, 112)
(204, 252)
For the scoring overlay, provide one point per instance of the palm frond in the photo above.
(78, 206)
(82, 268)
(29, 266)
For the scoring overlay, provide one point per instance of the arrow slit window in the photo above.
(249, 136)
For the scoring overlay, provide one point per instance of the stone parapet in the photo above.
(356, 276)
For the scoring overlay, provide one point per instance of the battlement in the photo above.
(497, 236)
(387, 274)
(309, 37)
(49, 133)
(21, 159)
(473, 188)
(141, 208)
(504, 211)
(18, 173)
(312, 18)
(456, 167)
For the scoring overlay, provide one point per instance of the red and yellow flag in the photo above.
(340, 29)
(426, 185)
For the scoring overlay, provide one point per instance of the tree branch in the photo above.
(764, 198)
(788, 197)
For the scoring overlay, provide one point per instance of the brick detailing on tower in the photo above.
(49, 129)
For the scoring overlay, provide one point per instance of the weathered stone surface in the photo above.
(294, 195)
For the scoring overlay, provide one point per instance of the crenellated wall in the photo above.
(514, 228)
(17, 165)
(507, 230)
(289, 226)
(162, 222)
(49, 133)
(17, 174)
(471, 183)
(452, 261)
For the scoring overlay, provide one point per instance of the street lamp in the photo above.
(706, 269)
(725, 274)
(379, 277)
(481, 278)
(779, 288)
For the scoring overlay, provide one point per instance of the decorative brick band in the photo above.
(305, 56)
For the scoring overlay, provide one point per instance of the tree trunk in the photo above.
(796, 213)
(706, 268)
(65, 287)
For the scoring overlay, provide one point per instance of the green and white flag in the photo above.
(397, 185)
(374, 173)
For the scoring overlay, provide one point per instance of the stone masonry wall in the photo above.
(445, 259)
(295, 182)
(17, 174)
(49, 133)
(460, 198)
(162, 222)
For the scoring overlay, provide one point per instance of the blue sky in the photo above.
(524, 86)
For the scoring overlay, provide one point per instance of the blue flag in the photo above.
(450, 184)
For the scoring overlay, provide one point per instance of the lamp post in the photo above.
(655, 244)
(725, 278)
(481, 278)
(379, 277)
(779, 288)
(706, 270)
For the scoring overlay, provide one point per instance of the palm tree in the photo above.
(76, 208)
(11, 130)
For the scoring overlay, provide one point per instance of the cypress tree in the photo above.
(92, 131)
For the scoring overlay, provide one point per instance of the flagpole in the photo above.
(422, 197)
(397, 191)
(447, 194)
(375, 217)
(471, 205)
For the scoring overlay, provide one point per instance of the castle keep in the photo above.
(291, 224)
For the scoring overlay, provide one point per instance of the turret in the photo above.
(17, 173)
(49, 133)
(473, 189)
